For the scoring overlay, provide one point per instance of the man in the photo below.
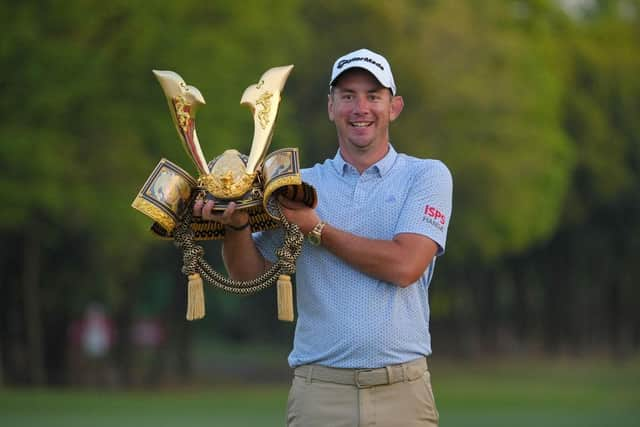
(362, 334)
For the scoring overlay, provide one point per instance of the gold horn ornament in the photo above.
(263, 99)
(184, 101)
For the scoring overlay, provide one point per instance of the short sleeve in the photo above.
(427, 208)
(268, 242)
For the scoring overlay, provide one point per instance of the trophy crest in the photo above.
(252, 182)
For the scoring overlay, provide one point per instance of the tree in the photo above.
(87, 122)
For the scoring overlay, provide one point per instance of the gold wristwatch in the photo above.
(315, 235)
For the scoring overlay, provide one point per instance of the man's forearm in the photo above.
(400, 261)
(241, 257)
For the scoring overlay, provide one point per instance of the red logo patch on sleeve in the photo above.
(434, 213)
(434, 217)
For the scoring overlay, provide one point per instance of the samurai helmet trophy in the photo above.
(253, 182)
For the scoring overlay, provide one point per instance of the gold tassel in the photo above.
(195, 299)
(285, 298)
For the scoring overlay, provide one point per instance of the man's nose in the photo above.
(361, 105)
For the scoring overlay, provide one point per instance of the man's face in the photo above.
(362, 109)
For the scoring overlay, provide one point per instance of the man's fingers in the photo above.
(226, 215)
(197, 208)
(290, 204)
(206, 210)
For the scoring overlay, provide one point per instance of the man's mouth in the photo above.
(361, 124)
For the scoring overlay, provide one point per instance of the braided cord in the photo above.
(194, 262)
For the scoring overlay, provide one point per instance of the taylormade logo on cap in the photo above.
(372, 62)
(359, 58)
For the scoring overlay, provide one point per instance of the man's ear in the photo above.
(330, 106)
(397, 104)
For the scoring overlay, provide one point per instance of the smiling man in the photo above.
(362, 336)
(362, 109)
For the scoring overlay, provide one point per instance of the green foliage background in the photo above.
(534, 107)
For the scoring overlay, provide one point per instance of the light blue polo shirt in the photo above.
(347, 319)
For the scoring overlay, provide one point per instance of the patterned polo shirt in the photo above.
(347, 319)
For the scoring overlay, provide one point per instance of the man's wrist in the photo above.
(238, 228)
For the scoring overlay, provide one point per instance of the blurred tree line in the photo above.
(532, 104)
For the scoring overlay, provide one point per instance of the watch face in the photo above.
(314, 238)
(315, 235)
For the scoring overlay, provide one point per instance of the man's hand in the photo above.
(230, 216)
(299, 213)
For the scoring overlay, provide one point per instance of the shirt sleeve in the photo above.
(427, 208)
(268, 242)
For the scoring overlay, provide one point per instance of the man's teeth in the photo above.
(360, 124)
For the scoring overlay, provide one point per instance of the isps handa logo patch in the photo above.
(434, 217)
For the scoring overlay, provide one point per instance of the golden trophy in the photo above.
(253, 182)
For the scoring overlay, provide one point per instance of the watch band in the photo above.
(242, 227)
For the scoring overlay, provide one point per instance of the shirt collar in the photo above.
(381, 167)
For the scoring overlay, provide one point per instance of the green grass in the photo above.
(505, 394)
(564, 393)
(232, 406)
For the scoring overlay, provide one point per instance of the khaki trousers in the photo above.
(394, 396)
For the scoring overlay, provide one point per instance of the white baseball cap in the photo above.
(372, 62)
